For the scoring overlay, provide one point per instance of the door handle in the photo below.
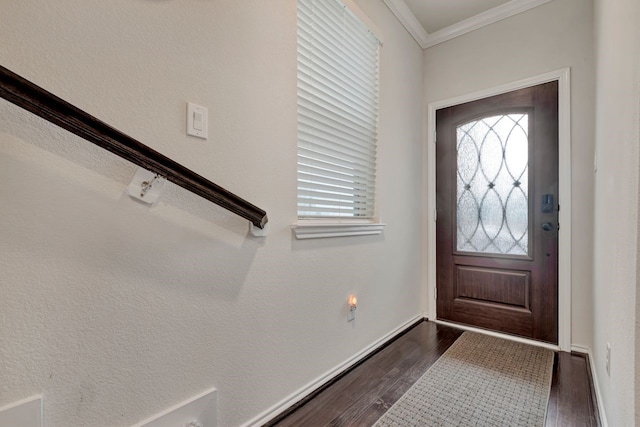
(547, 226)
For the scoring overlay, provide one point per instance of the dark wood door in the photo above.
(497, 213)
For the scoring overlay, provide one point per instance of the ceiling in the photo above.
(434, 21)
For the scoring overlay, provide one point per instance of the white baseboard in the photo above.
(301, 393)
(24, 413)
(594, 377)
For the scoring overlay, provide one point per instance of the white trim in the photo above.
(202, 408)
(400, 9)
(564, 216)
(483, 19)
(301, 393)
(580, 349)
(564, 149)
(317, 230)
(596, 386)
(499, 335)
(426, 40)
(27, 412)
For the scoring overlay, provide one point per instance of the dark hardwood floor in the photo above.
(572, 398)
(362, 395)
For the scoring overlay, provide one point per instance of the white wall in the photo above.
(556, 35)
(616, 202)
(114, 311)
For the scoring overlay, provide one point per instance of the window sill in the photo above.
(324, 229)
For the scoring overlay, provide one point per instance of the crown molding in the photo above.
(483, 19)
(425, 40)
(409, 20)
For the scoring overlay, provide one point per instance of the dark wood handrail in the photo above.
(40, 102)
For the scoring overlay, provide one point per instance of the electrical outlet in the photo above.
(608, 366)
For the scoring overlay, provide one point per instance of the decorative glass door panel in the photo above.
(492, 212)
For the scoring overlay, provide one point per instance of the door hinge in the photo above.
(435, 215)
(435, 293)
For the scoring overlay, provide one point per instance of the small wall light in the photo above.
(353, 304)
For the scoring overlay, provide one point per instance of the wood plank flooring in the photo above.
(361, 396)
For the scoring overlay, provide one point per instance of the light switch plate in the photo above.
(197, 121)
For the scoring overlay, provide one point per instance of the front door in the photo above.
(497, 213)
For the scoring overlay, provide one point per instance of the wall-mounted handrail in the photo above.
(40, 102)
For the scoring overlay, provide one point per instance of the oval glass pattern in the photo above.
(467, 158)
(492, 212)
(517, 221)
(468, 206)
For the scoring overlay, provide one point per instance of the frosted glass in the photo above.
(492, 185)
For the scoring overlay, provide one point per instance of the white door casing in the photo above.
(564, 197)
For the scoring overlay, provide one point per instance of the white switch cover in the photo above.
(197, 120)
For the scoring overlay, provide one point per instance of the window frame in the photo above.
(338, 226)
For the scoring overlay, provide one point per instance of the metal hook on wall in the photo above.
(147, 185)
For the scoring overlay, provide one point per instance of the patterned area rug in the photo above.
(480, 381)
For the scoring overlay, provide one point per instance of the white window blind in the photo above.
(337, 112)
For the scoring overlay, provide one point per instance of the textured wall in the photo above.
(616, 203)
(556, 35)
(115, 311)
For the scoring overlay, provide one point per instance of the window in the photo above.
(492, 209)
(337, 112)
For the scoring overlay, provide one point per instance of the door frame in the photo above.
(564, 191)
